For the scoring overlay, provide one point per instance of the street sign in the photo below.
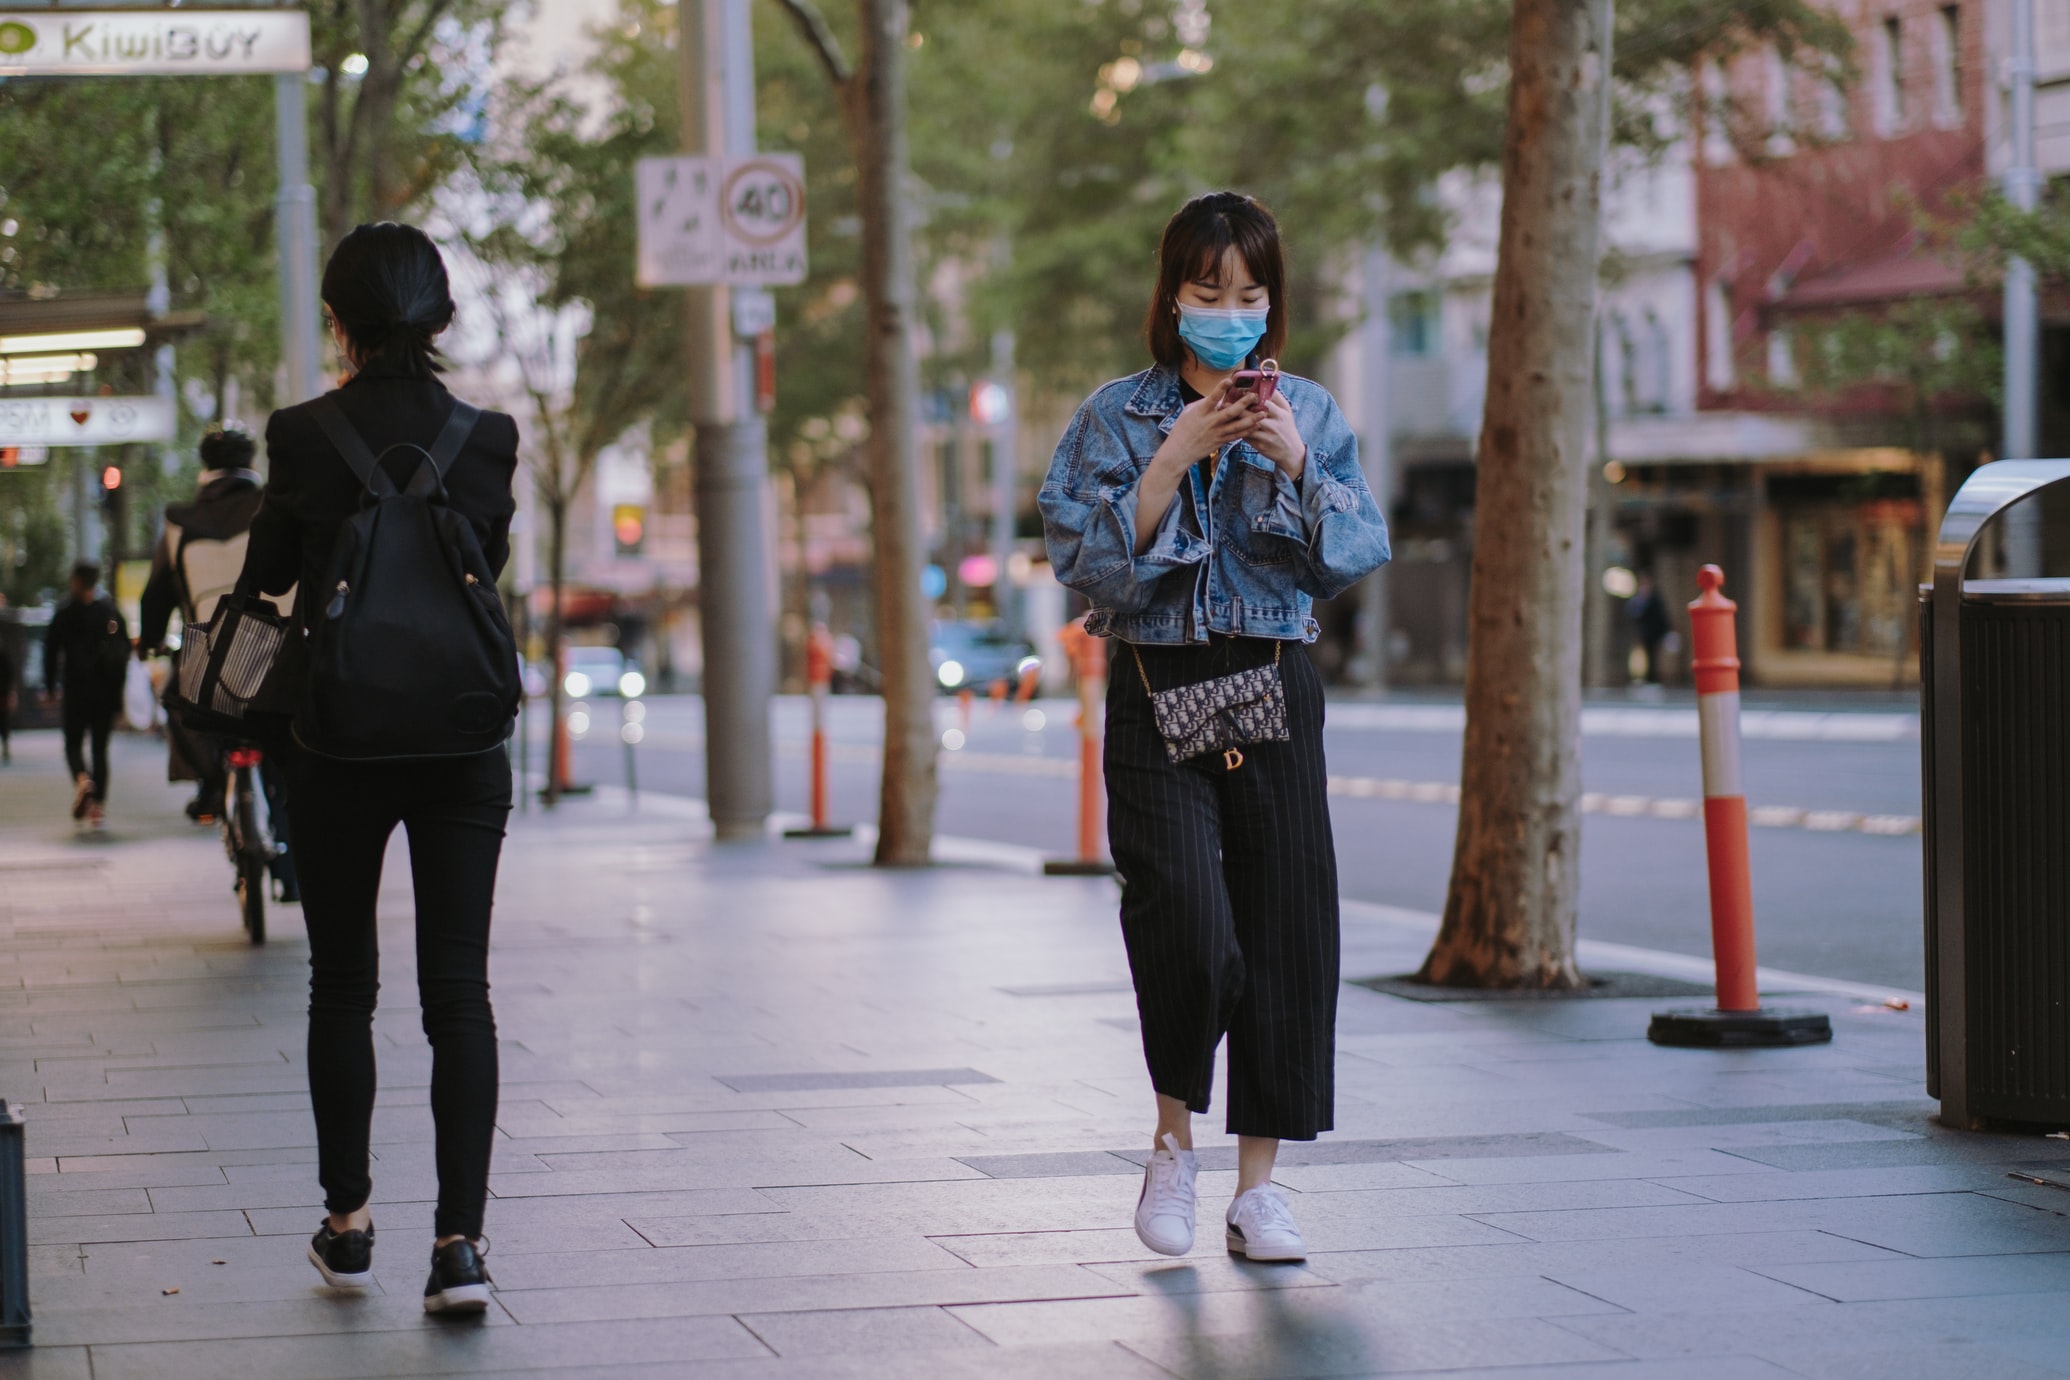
(754, 311)
(85, 421)
(152, 43)
(736, 221)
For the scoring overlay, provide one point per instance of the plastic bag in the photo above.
(139, 699)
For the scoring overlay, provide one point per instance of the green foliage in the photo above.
(1932, 357)
(34, 546)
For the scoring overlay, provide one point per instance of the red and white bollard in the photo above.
(1089, 658)
(819, 680)
(1739, 1018)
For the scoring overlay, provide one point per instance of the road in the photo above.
(1836, 868)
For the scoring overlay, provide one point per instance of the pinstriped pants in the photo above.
(1229, 895)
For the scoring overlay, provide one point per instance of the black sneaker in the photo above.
(459, 1282)
(345, 1259)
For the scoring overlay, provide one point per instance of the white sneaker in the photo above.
(1165, 1211)
(1261, 1227)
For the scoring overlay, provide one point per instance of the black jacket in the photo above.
(221, 512)
(72, 651)
(310, 489)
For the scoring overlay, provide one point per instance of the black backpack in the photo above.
(410, 654)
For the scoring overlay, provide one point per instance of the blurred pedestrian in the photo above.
(1650, 623)
(10, 677)
(1202, 505)
(386, 294)
(85, 658)
(196, 562)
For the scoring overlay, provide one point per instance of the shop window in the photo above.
(1850, 575)
(1782, 358)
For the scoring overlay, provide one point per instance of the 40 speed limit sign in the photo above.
(736, 221)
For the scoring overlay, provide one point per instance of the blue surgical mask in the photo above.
(1221, 337)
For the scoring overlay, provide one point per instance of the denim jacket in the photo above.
(1273, 546)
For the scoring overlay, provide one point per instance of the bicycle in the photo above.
(245, 839)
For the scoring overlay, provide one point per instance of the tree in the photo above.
(400, 90)
(872, 98)
(595, 355)
(1516, 875)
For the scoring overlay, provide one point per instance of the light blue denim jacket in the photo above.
(1274, 545)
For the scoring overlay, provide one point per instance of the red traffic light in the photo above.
(111, 478)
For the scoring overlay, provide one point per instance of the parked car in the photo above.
(592, 671)
(975, 655)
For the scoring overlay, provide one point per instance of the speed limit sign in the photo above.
(762, 207)
(739, 221)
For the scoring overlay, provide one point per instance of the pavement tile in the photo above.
(47, 1363)
(433, 1348)
(753, 1260)
(1949, 1277)
(1917, 1224)
(847, 1332)
(1286, 1347)
(1688, 1287)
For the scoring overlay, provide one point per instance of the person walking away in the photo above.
(386, 293)
(85, 657)
(197, 560)
(1201, 506)
(1650, 622)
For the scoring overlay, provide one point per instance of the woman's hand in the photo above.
(1278, 439)
(1204, 426)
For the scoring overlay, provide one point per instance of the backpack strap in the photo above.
(451, 437)
(344, 437)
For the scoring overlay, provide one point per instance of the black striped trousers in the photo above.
(1229, 894)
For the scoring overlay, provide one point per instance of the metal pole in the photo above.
(2022, 539)
(295, 240)
(1005, 482)
(735, 600)
(1376, 451)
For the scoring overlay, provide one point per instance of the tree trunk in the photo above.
(556, 560)
(877, 121)
(1510, 910)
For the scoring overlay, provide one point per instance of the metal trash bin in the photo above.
(1995, 749)
(14, 1230)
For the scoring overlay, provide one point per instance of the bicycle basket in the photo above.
(227, 667)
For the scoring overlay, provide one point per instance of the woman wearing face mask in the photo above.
(1201, 521)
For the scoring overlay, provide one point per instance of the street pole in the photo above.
(716, 90)
(1376, 451)
(2022, 539)
(1006, 469)
(294, 210)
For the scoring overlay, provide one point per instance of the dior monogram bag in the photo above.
(1222, 714)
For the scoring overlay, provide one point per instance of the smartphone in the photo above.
(1262, 381)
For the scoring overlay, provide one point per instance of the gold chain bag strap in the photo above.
(1220, 715)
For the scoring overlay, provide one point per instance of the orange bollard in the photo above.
(1031, 681)
(819, 680)
(997, 693)
(563, 775)
(1089, 658)
(964, 699)
(1738, 1018)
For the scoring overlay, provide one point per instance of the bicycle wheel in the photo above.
(251, 859)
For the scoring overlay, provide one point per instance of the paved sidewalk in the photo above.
(767, 1112)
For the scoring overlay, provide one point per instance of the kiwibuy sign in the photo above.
(152, 43)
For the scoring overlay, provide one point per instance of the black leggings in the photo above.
(1229, 895)
(341, 813)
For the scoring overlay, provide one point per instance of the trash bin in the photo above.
(1995, 748)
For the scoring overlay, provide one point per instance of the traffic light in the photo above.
(111, 486)
(629, 528)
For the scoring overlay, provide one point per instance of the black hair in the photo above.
(227, 448)
(86, 573)
(386, 285)
(1196, 240)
